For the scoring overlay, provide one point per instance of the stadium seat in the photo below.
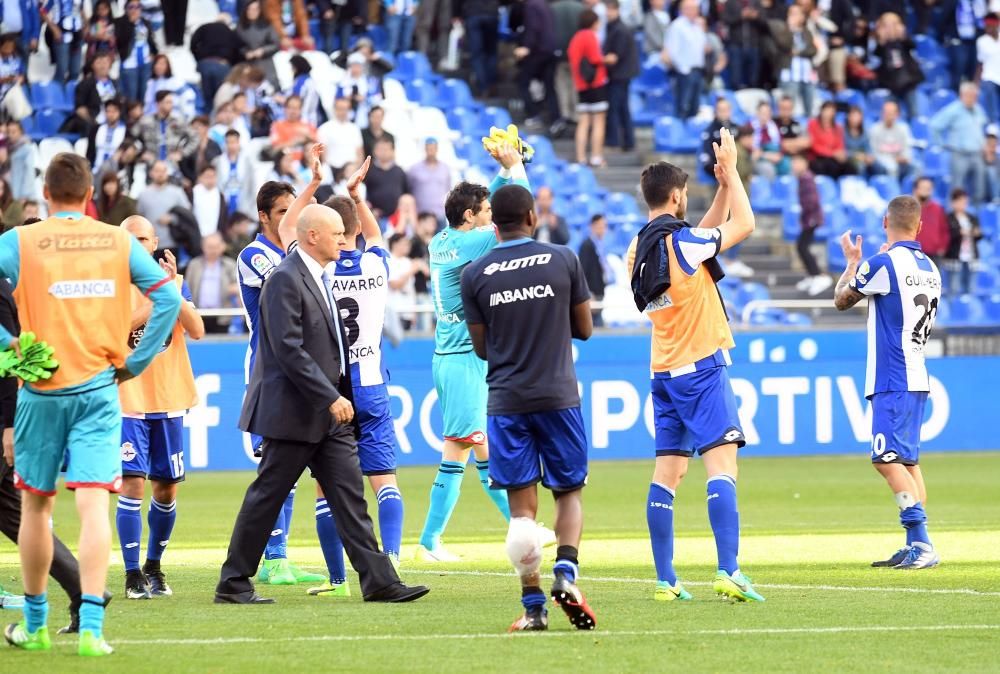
(989, 220)
(48, 121)
(620, 205)
(412, 65)
(921, 131)
(421, 92)
(797, 319)
(494, 116)
(379, 36)
(876, 99)
(49, 148)
(544, 152)
(851, 97)
(49, 96)
(466, 123)
(928, 48)
(986, 282)
(935, 162)
(663, 133)
(835, 260)
(767, 317)
(828, 190)
(991, 308)
(749, 99)
(886, 186)
(791, 222)
(785, 190)
(454, 93)
(964, 310)
(578, 179)
(940, 99)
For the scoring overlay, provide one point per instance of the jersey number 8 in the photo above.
(349, 311)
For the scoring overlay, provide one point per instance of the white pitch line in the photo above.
(847, 629)
(774, 586)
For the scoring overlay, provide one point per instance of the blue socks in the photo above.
(444, 495)
(329, 542)
(725, 519)
(914, 520)
(161, 518)
(92, 614)
(532, 597)
(36, 611)
(567, 562)
(499, 496)
(660, 520)
(128, 519)
(277, 544)
(390, 519)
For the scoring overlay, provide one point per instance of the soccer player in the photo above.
(674, 271)
(904, 288)
(152, 443)
(524, 302)
(255, 264)
(72, 278)
(459, 375)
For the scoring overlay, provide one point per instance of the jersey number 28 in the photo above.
(922, 329)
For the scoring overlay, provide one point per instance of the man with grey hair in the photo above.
(300, 401)
(958, 127)
(904, 288)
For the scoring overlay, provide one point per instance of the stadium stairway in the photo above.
(774, 261)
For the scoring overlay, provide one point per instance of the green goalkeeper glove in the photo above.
(35, 362)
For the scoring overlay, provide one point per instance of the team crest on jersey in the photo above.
(862, 275)
(128, 451)
(347, 263)
(136, 335)
(260, 263)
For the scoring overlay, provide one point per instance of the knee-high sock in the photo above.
(288, 509)
(329, 542)
(444, 495)
(390, 519)
(128, 519)
(499, 496)
(276, 547)
(660, 519)
(725, 519)
(92, 614)
(36, 610)
(914, 520)
(161, 519)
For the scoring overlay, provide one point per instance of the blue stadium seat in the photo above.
(797, 319)
(652, 76)
(935, 162)
(48, 121)
(989, 220)
(379, 36)
(579, 179)
(928, 48)
(835, 260)
(762, 196)
(663, 133)
(412, 65)
(454, 93)
(544, 152)
(940, 99)
(964, 310)
(921, 131)
(991, 308)
(49, 96)
(887, 186)
(466, 122)
(791, 222)
(421, 92)
(621, 205)
(851, 97)
(494, 116)
(767, 317)
(987, 282)
(751, 291)
(876, 98)
(785, 190)
(828, 191)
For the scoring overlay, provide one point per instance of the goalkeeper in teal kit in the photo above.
(459, 375)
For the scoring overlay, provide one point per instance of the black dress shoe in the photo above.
(397, 593)
(241, 598)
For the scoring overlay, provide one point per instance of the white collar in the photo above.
(314, 267)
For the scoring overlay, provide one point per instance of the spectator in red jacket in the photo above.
(590, 77)
(934, 235)
(828, 154)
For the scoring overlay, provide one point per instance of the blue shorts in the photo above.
(78, 432)
(377, 442)
(695, 413)
(153, 449)
(460, 380)
(550, 447)
(896, 420)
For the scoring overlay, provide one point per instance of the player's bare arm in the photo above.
(581, 322)
(286, 228)
(741, 221)
(845, 296)
(719, 210)
(189, 317)
(369, 225)
(477, 331)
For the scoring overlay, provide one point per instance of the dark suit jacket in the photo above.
(125, 37)
(592, 269)
(87, 96)
(296, 375)
(8, 385)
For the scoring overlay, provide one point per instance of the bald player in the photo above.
(152, 444)
(299, 402)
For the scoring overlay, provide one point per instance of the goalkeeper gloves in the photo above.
(34, 363)
(498, 137)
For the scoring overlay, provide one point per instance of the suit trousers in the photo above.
(64, 567)
(334, 464)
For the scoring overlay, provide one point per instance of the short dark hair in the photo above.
(903, 214)
(921, 179)
(464, 197)
(269, 192)
(396, 238)
(612, 3)
(232, 133)
(201, 119)
(113, 102)
(426, 215)
(206, 167)
(386, 140)
(588, 18)
(293, 97)
(659, 180)
(958, 193)
(29, 221)
(348, 213)
(68, 178)
(163, 93)
(596, 217)
(512, 206)
(14, 122)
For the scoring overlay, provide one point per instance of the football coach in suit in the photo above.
(299, 401)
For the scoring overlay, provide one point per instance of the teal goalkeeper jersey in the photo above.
(450, 251)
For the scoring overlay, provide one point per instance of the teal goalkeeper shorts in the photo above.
(460, 380)
(82, 431)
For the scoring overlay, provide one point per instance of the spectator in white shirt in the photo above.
(236, 176)
(341, 136)
(208, 204)
(988, 55)
(685, 52)
(402, 270)
(891, 142)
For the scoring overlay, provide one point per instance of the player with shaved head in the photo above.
(152, 443)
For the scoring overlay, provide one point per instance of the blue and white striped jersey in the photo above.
(360, 285)
(905, 290)
(255, 264)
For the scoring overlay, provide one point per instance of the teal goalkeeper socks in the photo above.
(444, 495)
(498, 496)
(92, 614)
(36, 611)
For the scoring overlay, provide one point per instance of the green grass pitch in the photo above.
(810, 527)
